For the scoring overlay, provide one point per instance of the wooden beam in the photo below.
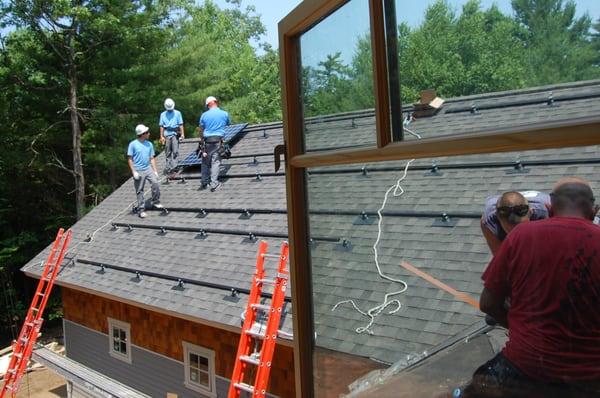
(305, 15)
(380, 74)
(300, 277)
(570, 133)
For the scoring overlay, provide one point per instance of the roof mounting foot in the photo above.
(202, 213)
(474, 110)
(245, 215)
(344, 246)
(434, 171)
(445, 221)
(363, 219)
(518, 168)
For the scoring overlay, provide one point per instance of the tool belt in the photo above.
(171, 128)
(224, 150)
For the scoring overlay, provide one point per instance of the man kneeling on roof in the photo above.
(503, 212)
(140, 157)
(212, 130)
(551, 271)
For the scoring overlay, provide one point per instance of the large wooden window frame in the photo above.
(574, 132)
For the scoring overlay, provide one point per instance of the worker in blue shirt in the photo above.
(171, 131)
(140, 157)
(212, 130)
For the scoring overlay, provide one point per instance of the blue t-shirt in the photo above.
(213, 122)
(537, 203)
(170, 121)
(141, 153)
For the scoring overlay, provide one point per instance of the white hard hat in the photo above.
(210, 99)
(169, 104)
(141, 129)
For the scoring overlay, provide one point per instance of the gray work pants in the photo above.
(211, 164)
(171, 153)
(140, 183)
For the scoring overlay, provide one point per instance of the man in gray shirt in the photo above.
(503, 212)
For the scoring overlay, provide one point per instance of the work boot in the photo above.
(217, 186)
(203, 186)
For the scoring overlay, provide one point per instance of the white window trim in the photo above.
(210, 355)
(127, 328)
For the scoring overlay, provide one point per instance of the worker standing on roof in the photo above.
(212, 130)
(503, 212)
(551, 271)
(171, 131)
(140, 157)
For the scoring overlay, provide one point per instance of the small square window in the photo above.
(199, 369)
(119, 347)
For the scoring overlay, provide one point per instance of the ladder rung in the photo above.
(271, 256)
(255, 334)
(282, 276)
(261, 307)
(40, 294)
(250, 359)
(267, 281)
(245, 387)
(30, 324)
(12, 371)
(35, 309)
(18, 355)
(24, 339)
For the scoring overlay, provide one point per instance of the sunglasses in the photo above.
(519, 210)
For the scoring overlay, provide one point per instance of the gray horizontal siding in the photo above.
(148, 372)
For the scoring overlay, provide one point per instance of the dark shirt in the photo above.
(551, 271)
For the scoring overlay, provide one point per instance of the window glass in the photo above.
(475, 52)
(337, 78)
(397, 261)
(119, 346)
(199, 367)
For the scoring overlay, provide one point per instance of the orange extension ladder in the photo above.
(261, 359)
(30, 331)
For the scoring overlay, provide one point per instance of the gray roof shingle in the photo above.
(457, 256)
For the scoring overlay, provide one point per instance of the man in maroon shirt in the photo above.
(550, 270)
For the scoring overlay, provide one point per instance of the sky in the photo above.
(411, 11)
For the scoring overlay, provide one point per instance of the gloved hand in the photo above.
(204, 154)
(136, 175)
(156, 173)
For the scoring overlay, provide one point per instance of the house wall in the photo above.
(152, 332)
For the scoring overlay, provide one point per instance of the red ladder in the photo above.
(261, 359)
(30, 331)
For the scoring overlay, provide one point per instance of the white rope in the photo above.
(374, 312)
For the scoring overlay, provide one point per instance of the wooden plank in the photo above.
(570, 133)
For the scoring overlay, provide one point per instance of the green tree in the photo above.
(557, 44)
(473, 53)
(76, 32)
(596, 45)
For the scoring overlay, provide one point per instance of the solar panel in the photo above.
(231, 133)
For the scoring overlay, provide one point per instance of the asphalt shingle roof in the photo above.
(457, 255)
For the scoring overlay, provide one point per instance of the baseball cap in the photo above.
(210, 99)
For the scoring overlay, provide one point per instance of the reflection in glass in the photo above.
(400, 295)
(471, 47)
(337, 77)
